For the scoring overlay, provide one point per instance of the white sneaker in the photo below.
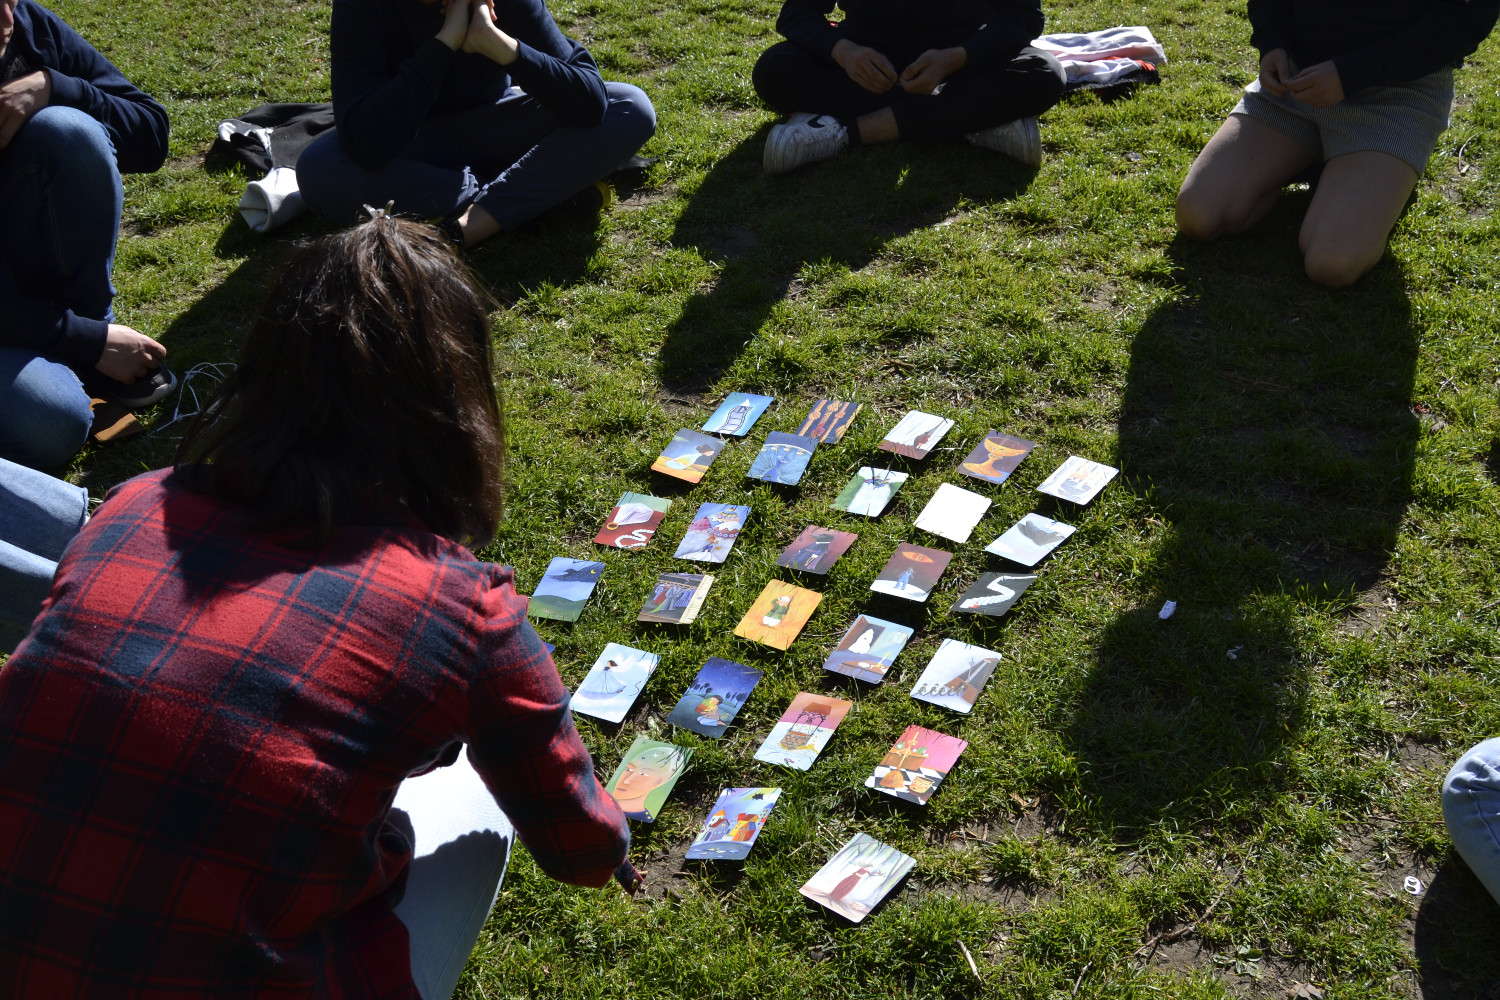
(1021, 140)
(803, 139)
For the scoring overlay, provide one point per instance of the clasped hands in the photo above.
(470, 25)
(873, 71)
(20, 99)
(1318, 86)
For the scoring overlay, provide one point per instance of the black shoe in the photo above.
(148, 390)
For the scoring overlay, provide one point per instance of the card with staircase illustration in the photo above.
(913, 768)
(955, 675)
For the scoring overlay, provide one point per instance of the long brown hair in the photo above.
(366, 379)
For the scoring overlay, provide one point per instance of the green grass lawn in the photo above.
(1224, 802)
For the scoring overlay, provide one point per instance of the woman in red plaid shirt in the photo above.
(209, 739)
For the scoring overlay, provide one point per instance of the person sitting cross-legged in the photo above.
(230, 742)
(70, 123)
(480, 113)
(918, 70)
(1362, 88)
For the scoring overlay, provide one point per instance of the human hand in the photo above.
(128, 355)
(931, 68)
(865, 66)
(20, 99)
(455, 23)
(485, 37)
(1275, 69)
(1318, 86)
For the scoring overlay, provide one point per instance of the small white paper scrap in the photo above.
(1167, 609)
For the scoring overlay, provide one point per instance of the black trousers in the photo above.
(789, 78)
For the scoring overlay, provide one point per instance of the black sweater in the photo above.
(81, 78)
(1373, 42)
(390, 73)
(987, 29)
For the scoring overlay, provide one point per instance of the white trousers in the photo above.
(461, 844)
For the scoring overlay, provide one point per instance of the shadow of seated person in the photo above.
(761, 233)
(1268, 424)
(907, 71)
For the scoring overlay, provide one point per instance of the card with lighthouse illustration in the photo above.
(778, 614)
(737, 414)
(916, 765)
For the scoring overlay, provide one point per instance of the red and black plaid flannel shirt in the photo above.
(201, 737)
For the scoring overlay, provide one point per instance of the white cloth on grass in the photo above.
(272, 201)
(1100, 58)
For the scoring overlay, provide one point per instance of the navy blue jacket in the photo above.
(390, 73)
(81, 78)
(1373, 42)
(987, 29)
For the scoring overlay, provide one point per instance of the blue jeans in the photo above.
(512, 157)
(60, 203)
(1471, 811)
(39, 515)
(461, 843)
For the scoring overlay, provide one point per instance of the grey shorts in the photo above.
(1403, 119)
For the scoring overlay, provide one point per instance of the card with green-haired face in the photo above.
(644, 779)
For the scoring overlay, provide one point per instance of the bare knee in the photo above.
(1336, 266)
(1205, 216)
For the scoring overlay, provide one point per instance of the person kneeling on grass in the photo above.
(922, 70)
(70, 123)
(478, 112)
(222, 741)
(1363, 87)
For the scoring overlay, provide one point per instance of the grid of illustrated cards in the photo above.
(868, 650)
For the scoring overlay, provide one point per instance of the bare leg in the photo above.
(1358, 201)
(878, 126)
(477, 225)
(1237, 178)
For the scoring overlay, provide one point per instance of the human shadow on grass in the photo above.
(762, 231)
(1457, 924)
(1268, 423)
